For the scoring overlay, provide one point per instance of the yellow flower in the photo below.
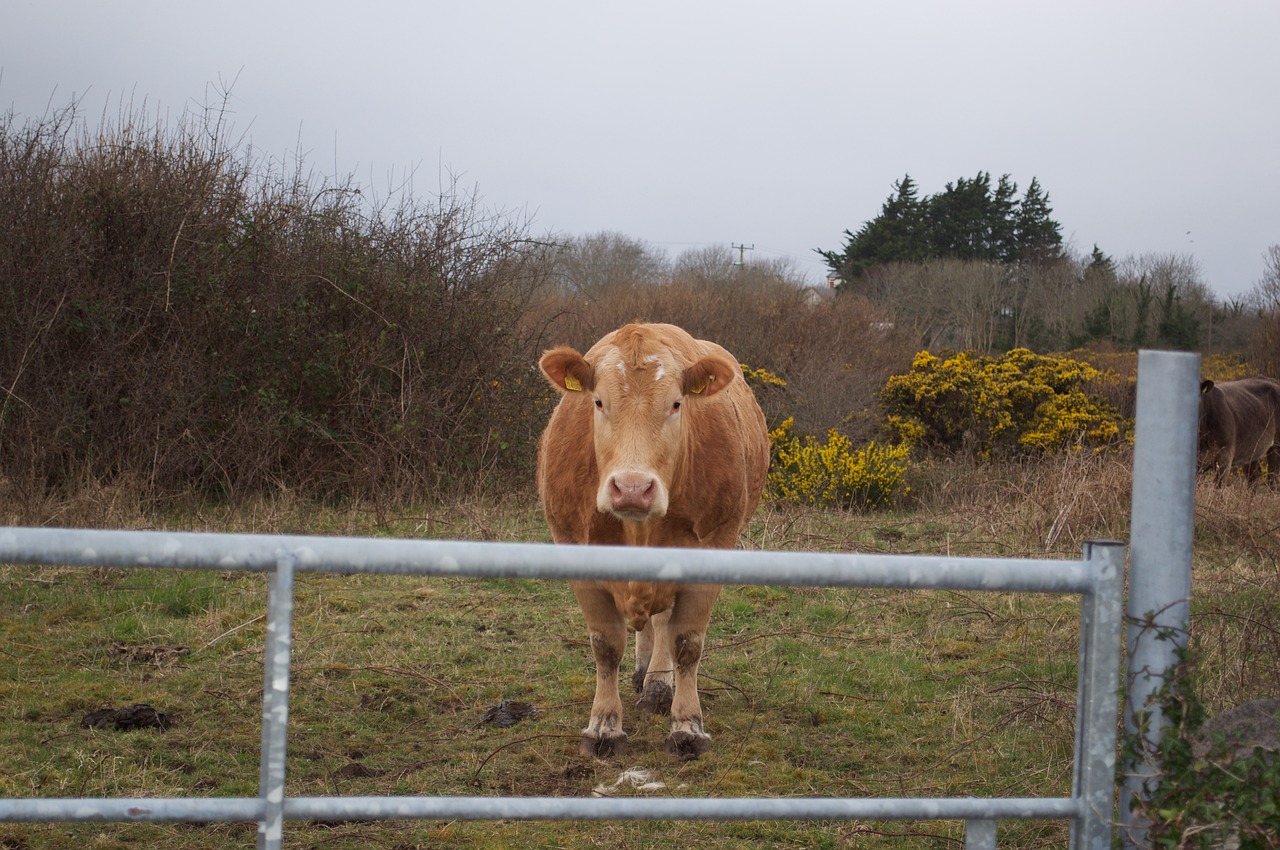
(805, 471)
(1018, 402)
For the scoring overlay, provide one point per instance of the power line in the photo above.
(741, 249)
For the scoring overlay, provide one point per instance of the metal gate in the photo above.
(1098, 577)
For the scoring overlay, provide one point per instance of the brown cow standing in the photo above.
(656, 441)
(1238, 422)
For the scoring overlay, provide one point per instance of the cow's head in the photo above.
(642, 395)
(1210, 430)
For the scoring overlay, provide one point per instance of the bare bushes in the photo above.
(178, 313)
(833, 353)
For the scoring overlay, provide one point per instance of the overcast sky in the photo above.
(1154, 126)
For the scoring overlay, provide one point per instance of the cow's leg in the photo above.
(656, 678)
(1252, 471)
(1222, 468)
(644, 652)
(603, 736)
(687, 631)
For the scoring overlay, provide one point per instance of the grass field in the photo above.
(807, 691)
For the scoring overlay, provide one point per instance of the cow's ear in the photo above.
(709, 376)
(1205, 386)
(567, 370)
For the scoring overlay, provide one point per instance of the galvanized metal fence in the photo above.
(1098, 577)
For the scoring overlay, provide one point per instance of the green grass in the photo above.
(806, 691)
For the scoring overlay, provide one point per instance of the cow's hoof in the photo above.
(686, 745)
(656, 698)
(604, 747)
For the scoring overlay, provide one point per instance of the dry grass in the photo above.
(1236, 594)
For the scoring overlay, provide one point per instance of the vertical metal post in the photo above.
(1159, 609)
(1097, 707)
(275, 704)
(979, 835)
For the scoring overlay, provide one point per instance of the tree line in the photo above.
(978, 267)
(969, 220)
(181, 314)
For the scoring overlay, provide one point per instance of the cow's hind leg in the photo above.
(687, 631)
(604, 736)
(644, 652)
(655, 677)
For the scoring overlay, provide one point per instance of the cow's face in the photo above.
(640, 404)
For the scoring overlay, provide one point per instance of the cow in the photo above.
(656, 441)
(1238, 427)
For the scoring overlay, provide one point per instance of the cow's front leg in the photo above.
(687, 630)
(604, 736)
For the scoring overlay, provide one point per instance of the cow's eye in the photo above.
(675, 406)
(599, 404)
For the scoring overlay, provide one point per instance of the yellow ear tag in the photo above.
(572, 384)
(697, 390)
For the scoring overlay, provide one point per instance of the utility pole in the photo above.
(741, 248)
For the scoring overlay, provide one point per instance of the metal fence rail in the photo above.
(1098, 577)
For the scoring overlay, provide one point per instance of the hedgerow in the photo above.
(178, 312)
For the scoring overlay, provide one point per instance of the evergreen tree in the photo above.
(1098, 285)
(898, 234)
(1003, 218)
(1178, 328)
(1142, 298)
(1097, 322)
(968, 220)
(1100, 264)
(1037, 235)
(959, 219)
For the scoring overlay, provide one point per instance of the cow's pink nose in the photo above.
(632, 493)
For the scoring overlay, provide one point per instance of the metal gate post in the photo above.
(275, 704)
(1097, 704)
(1159, 609)
(979, 835)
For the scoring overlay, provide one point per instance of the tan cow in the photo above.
(1238, 427)
(656, 441)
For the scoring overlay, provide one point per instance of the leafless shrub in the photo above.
(183, 314)
(834, 353)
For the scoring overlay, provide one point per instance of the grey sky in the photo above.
(1154, 126)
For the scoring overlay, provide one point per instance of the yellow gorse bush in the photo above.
(1071, 421)
(806, 471)
(761, 377)
(1014, 403)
